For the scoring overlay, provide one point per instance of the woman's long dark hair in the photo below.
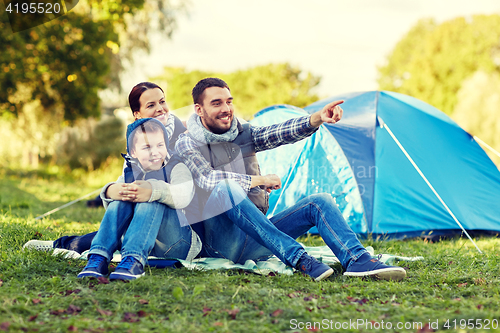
(137, 91)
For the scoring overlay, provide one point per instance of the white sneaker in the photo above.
(39, 245)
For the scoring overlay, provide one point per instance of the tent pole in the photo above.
(67, 204)
(486, 145)
(384, 125)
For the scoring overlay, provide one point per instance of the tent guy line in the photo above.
(386, 127)
(486, 145)
(67, 204)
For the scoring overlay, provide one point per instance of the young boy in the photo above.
(137, 217)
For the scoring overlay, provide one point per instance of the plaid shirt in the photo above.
(264, 137)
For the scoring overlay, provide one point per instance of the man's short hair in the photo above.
(199, 88)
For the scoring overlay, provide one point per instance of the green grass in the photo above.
(40, 292)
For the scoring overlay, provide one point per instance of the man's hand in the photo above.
(270, 182)
(273, 182)
(138, 191)
(331, 113)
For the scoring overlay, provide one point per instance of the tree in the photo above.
(477, 109)
(253, 89)
(66, 61)
(51, 75)
(432, 61)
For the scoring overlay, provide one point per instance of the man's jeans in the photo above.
(241, 232)
(148, 228)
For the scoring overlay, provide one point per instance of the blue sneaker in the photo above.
(312, 267)
(128, 269)
(368, 266)
(97, 266)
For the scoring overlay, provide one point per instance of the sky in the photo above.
(341, 41)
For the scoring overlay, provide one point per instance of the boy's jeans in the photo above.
(241, 232)
(147, 227)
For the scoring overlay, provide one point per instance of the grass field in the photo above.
(453, 289)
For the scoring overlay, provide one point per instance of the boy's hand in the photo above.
(115, 191)
(138, 191)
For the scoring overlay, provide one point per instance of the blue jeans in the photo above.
(242, 232)
(147, 228)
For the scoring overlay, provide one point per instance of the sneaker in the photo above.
(39, 245)
(96, 267)
(312, 267)
(372, 267)
(128, 269)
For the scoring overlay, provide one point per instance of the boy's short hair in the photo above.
(144, 125)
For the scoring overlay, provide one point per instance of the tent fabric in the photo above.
(303, 173)
(376, 187)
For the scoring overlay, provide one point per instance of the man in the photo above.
(232, 195)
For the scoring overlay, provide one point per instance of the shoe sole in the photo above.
(89, 274)
(123, 276)
(324, 275)
(44, 246)
(392, 274)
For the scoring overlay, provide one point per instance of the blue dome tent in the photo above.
(395, 165)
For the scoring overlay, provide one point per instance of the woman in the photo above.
(147, 100)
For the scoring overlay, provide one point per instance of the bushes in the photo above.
(89, 144)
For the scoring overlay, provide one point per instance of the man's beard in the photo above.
(211, 124)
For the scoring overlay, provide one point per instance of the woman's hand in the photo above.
(138, 191)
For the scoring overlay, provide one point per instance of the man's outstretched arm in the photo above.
(295, 129)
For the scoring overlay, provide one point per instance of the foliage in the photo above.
(65, 62)
(253, 88)
(432, 60)
(89, 144)
(40, 292)
(51, 75)
(477, 109)
(29, 136)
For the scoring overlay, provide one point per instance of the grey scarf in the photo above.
(198, 132)
(170, 125)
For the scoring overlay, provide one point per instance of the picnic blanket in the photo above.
(264, 267)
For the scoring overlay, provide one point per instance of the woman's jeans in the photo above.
(241, 232)
(147, 228)
(78, 244)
